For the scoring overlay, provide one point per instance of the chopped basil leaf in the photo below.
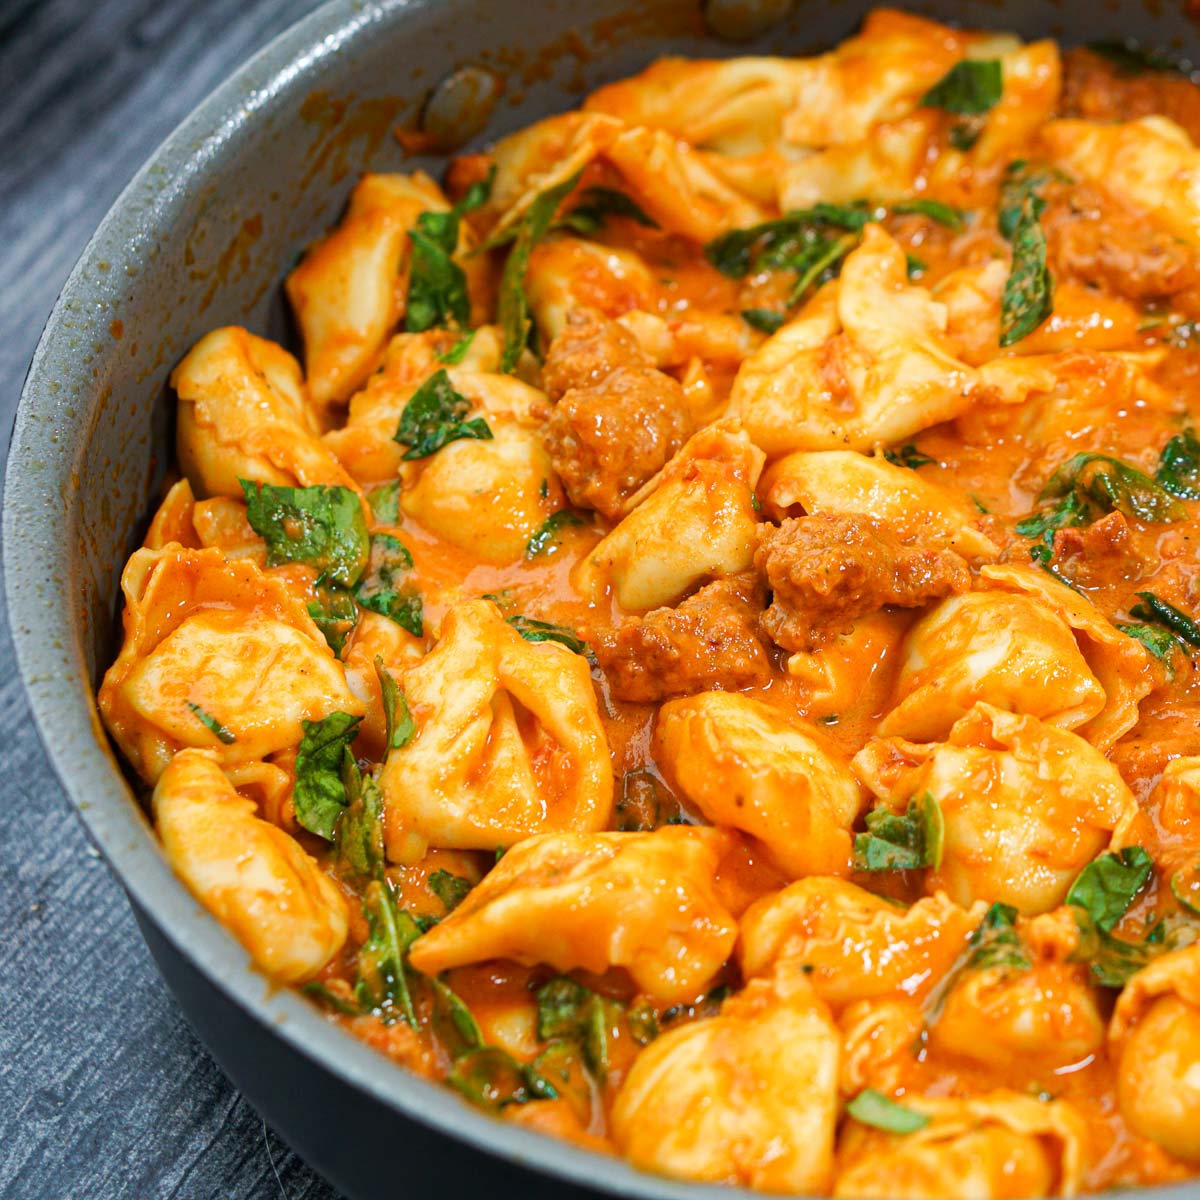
(543, 631)
(943, 214)
(873, 1108)
(765, 320)
(333, 612)
(382, 588)
(450, 889)
(915, 266)
(1185, 887)
(1105, 888)
(399, 723)
(437, 285)
(385, 503)
(596, 204)
(907, 843)
(1179, 468)
(433, 418)
(512, 305)
(321, 526)
(970, 87)
(491, 1078)
(548, 535)
(996, 943)
(457, 352)
(211, 723)
(382, 986)
(1129, 58)
(1160, 612)
(1028, 296)
(319, 796)
(908, 456)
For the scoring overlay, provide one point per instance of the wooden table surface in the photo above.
(104, 1090)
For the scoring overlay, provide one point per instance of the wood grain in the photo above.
(104, 1091)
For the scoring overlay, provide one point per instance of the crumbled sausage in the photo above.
(709, 640)
(826, 571)
(1097, 241)
(1100, 554)
(618, 419)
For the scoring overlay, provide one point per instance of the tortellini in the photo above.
(746, 1097)
(842, 481)
(993, 1146)
(1026, 805)
(254, 878)
(748, 766)
(866, 361)
(1034, 647)
(508, 742)
(217, 654)
(642, 901)
(855, 945)
(696, 523)
(1156, 1033)
(347, 292)
(244, 414)
(1150, 163)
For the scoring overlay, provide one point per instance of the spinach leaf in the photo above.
(1167, 615)
(452, 1021)
(433, 418)
(544, 631)
(1028, 296)
(450, 889)
(943, 214)
(333, 612)
(1043, 525)
(1108, 484)
(385, 503)
(382, 984)
(358, 837)
(491, 1078)
(996, 943)
(905, 843)
(457, 352)
(1105, 888)
(548, 535)
(819, 262)
(965, 133)
(437, 285)
(873, 1108)
(908, 456)
(382, 588)
(512, 305)
(223, 735)
(399, 723)
(1113, 961)
(789, 241)
(321, 526)
(970, 87)
(916, 267)
(765, 320)
(572, 1012)
(1129, 58)
(1160, 642)
(1179, 468)
(596, 204)
(320, 796)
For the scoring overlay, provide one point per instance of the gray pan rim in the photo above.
(53, 671)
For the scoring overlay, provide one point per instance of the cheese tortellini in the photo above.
(642, 901)
(508, 742)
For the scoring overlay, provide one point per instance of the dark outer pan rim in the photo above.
(39, 473)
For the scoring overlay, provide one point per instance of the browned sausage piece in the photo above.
(826, 571)
(709, 640)
(618, 419)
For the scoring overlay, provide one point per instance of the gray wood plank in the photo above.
(104, 1091)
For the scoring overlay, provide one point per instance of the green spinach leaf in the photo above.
(996, 943)
(596, 204)
(1154, 609)
(433, 418)
(944, 214)
(333, 612)
(1179, 468)
(223, 735)
(321, 526)
(544, 631)
(385, 503)
(383, 587)
(765, 320)
(908, 456)
(548, 535)
(1028, 296)
(873, 1108)
(450, 889)
(907, 843)
(320, 796)
(1106, 887)
(399, 723)
(970, 87)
